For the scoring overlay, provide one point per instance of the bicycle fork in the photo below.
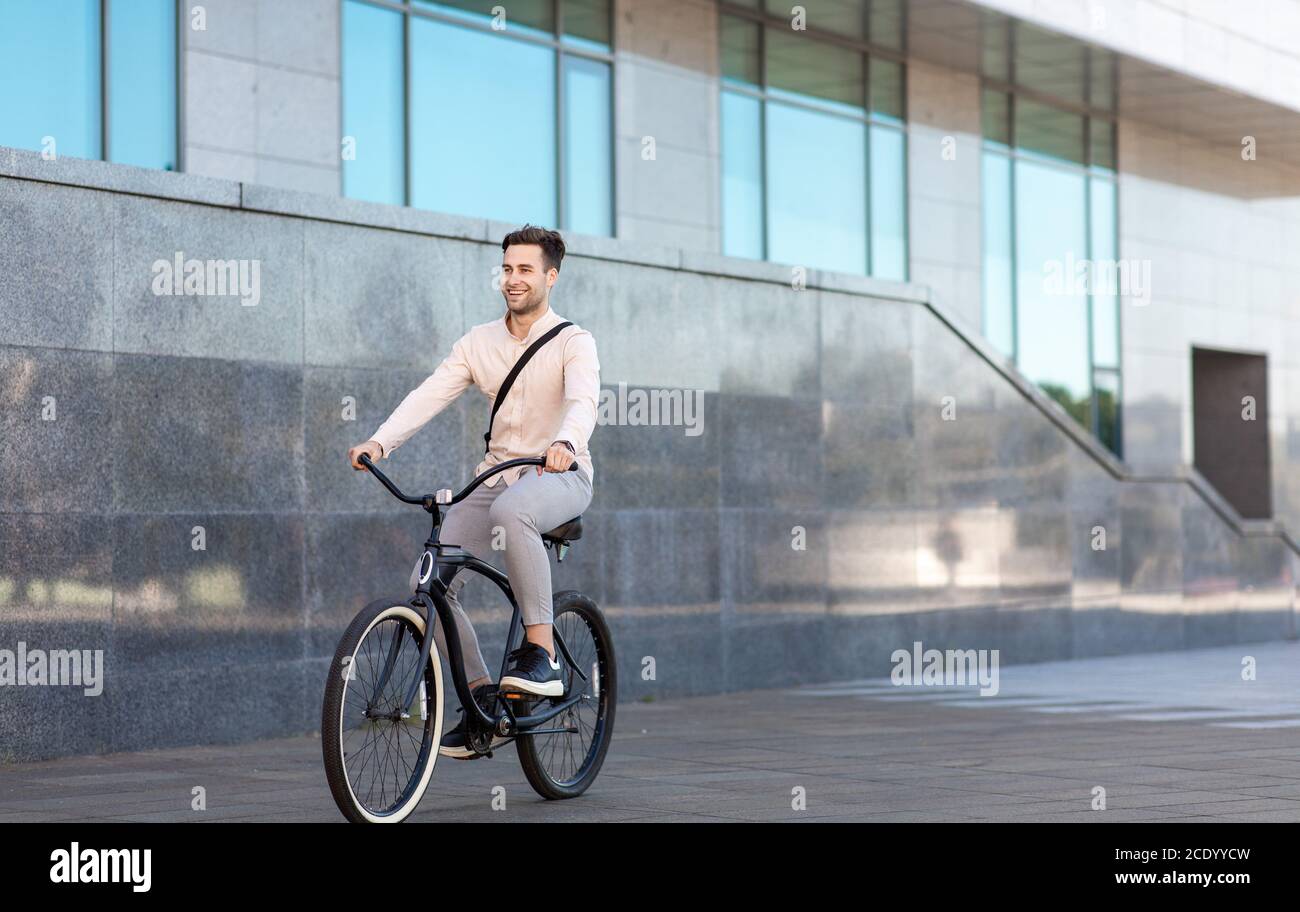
(390, 661)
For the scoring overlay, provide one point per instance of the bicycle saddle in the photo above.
(565, 532)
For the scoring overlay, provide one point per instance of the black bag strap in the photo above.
(514, 372)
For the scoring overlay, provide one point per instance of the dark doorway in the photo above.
(1231, 450)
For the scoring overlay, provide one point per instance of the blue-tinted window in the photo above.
(888, 203)
(53, 88)
(816, 189)
(142, 83)
(1050, 253)
(374, 95)
(454, 107)
(814, 165)
(742, 176)
(1105, 299)
(997, 239)
(482, 124)
(50, 77)
(1051, 315)
(588, 155)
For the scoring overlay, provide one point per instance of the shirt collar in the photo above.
(549, 319)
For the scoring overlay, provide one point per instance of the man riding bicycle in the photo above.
(550, 410)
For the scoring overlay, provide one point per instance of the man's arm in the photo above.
(439, 390)
(581, 390)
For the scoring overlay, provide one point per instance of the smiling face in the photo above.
(525, 280)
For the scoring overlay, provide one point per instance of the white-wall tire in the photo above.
(335, 704)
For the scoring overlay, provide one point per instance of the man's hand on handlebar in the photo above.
(369, 448)
(428, 500)
(559, 458)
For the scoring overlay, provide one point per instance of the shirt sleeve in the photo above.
(448, 380)
(581, 390)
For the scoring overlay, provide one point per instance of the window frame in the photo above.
(556, 42)
(869, 119)
(105, 93)
(1090, 171)
(178, 77)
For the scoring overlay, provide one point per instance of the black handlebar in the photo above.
(393, 489)
(428, 500)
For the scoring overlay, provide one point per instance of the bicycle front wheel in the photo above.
(563, 764)
(379, 755)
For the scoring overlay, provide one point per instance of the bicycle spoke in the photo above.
(382, 754)
(566, 755)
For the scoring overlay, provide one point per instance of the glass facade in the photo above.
(374, 103)
(879, 22)
(814, 154)
(90, 79)
(488, 148)
(1050, 296)
(475, 108)
(589, 167)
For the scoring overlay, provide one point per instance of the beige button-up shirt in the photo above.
(553, 398)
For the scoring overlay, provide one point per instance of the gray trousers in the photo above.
(509, 521)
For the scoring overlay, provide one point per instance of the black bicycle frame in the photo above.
(439, 565)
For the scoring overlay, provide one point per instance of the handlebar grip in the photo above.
(573, 468)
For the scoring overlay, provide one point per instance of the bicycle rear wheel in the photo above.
(563, 765)
(379, 757)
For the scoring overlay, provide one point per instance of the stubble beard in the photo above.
(530, 304)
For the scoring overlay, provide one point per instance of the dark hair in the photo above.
(550, 241)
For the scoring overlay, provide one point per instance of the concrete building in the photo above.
(987, 306)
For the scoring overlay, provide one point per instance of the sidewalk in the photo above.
(1171, 736)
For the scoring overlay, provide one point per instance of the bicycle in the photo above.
(386, 678)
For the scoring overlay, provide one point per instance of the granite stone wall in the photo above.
(865, 475)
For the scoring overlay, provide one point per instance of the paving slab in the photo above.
(858, 752)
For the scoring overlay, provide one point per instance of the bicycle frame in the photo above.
(439, 565)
